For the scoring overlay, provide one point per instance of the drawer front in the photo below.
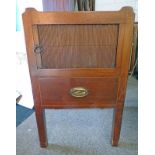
(74, 92)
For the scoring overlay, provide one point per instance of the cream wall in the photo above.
(105, 5)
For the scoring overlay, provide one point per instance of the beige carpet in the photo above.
(82, 132)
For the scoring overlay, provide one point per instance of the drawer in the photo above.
(78, 92)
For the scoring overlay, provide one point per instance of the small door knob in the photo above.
(38, 49)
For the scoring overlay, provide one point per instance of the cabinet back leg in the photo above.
(41, 124)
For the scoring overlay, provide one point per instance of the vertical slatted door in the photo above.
(78, 46)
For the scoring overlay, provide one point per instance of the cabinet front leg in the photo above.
(41, 124)
(117, 121)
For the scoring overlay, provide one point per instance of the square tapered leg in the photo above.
(41, 124)
(117, 121)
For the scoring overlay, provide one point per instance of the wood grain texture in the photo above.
(78, 35)
(73, 46)
(78, 72)
(122, 80)
(56, 91)
(41, 124)
(80, 49)
(88, 17)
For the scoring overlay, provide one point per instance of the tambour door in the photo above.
(62, 46)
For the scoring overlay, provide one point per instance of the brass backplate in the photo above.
(79, 92)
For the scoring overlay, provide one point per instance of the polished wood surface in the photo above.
(78, 49)
(73, 46)
(55, 91)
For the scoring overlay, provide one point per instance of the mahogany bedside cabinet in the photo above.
(78, 60)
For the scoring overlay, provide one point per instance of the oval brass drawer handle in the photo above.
(79, 92)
